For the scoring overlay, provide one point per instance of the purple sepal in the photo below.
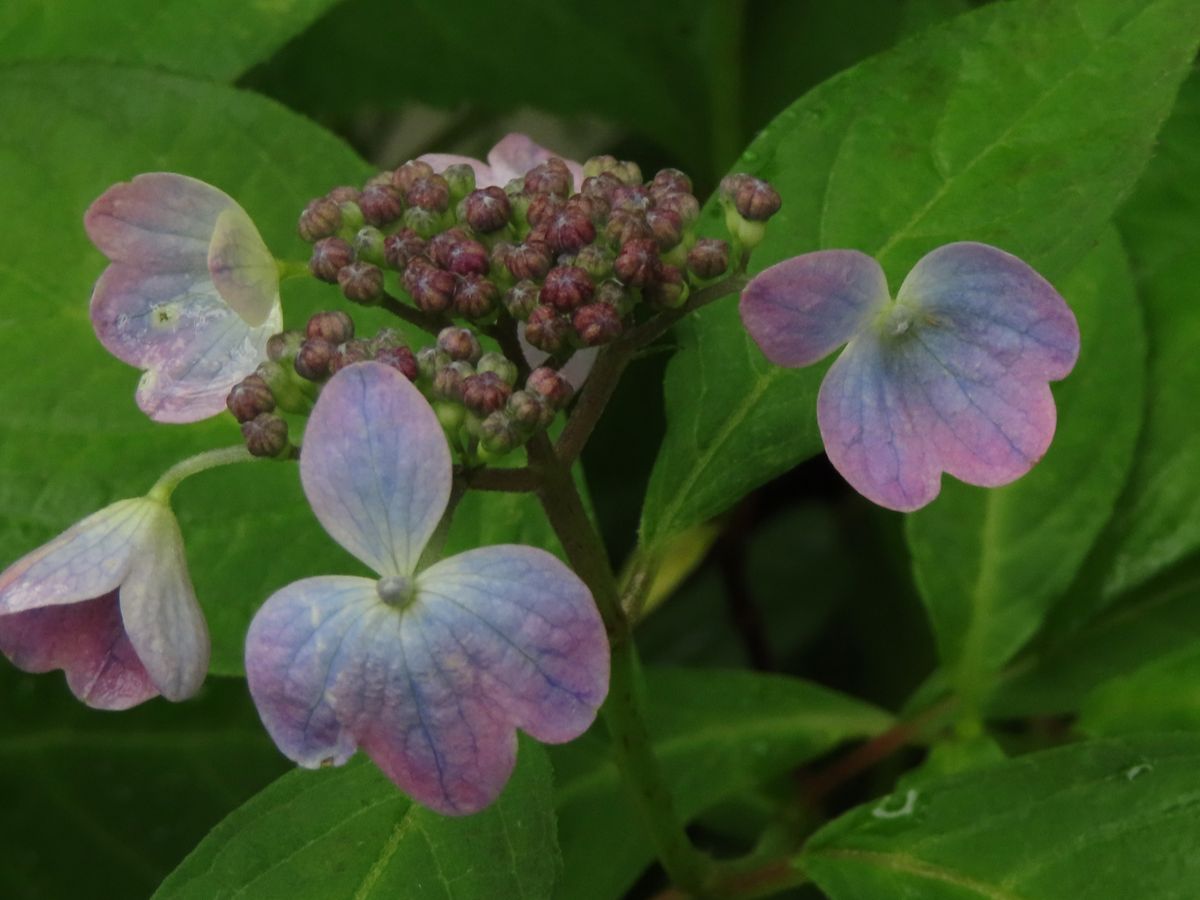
(802, 309)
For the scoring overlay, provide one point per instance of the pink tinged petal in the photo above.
(89, 559)
(515, 154)
(989, 300)
(162, 617)
(332, 667)
(242, 268)
(484, 176)
(194, 347)
(159, 222)
(804, 308)
(87, 640)
(302, 650)
(518, 627)
(376, 467)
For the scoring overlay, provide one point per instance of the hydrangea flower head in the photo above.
(513, 156)
(951, 376)
(109, 602)
(191, 295)
(429, 671)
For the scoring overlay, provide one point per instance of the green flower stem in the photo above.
(623, 710)
(194, 465)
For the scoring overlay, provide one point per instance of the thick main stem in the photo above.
(623, 710)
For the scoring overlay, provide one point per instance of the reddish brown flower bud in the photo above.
(345, 193)
(670, 181)
(266, 434)
(333, 326)
(567, 287)
(431, 288)
(313, 358)
(488, 210)
(399, 358)
(411, 171)
(361, 282)
(569, 231)
(460, 344)
(630, 198)
(597, 323)
(439, 246)
(543, 208)
(431, 193)
(448, 380)
(546, 329)
(600, 187)
(685, 206)
(403, 246)
(381, 204)
(708, 258)
(668, 290)
(460, 254)
(551, 177)
(475, 297)
(550, 386)
(637, 263)
(329, 256)
(485, 393)
(320, 219)
(624, 226)
(521, 298)
(666, 227)
(530, 260)
(349, 353)
(753, 198)
(250, 397)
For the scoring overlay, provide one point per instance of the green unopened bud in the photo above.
(424, 222)
(498, 435)
(352, 218)
(368, 244)
(499, 364)
(285, 386)
(746, 233)
(450, 414)
(429, 360)
(460, 177)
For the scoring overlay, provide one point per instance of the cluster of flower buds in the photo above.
(574, 262)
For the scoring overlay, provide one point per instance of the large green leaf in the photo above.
(1118, 819)
(103, 806)
(1163, 695)
(1055, 676)
(716, 733)
(1157, 520)
(71, 438)
(338, 834)
(217, 39)
(638, 64)
(990, 562)
(1022, 125)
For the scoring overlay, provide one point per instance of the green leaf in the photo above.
(1054, 677)
(1114, 819)
(716, 733)
(1163, 695)
(638, 64)
(348, 833)
(71, 437)
(217, 39)
(1022, 125)
(990, 562)
(96, 799)
(1157, 520)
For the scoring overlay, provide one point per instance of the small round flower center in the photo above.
(396, 590)
(895, 320)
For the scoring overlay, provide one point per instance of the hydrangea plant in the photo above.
(422, 356)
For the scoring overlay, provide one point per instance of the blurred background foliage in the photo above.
(802, 577)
